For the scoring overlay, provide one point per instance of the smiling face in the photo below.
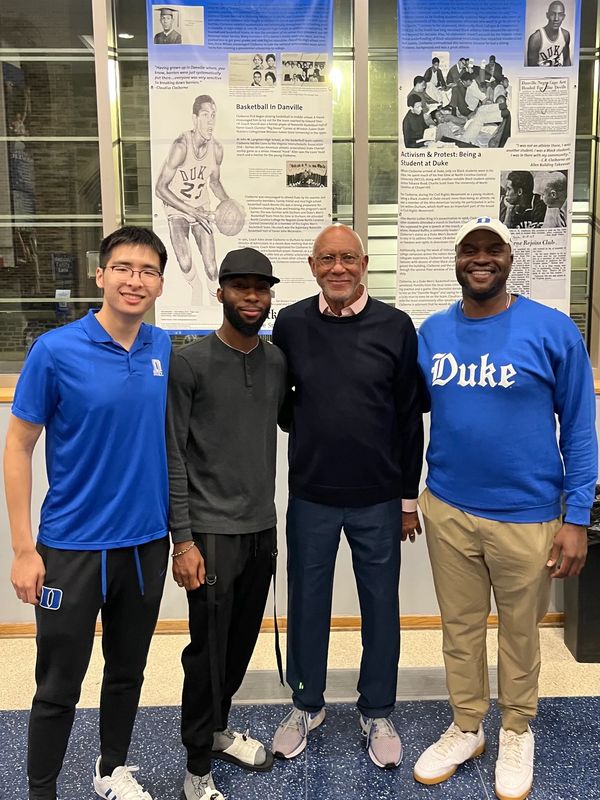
(483, 262)
(246, 302)
(338, 263)
(129, 296)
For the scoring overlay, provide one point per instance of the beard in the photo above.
(235, 320)
(497, 287)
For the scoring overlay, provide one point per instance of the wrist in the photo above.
(24, 550)
(180, 548)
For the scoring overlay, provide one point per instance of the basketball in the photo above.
(229, 217)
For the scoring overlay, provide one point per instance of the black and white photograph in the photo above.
(168, 26)
(306, 174)
(254, 70)
(175, 24)
(297, 68)
(533, 198)
(549, 28)
(459, 102)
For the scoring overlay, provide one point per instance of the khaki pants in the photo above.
(469, 556)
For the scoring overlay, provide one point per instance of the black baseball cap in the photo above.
(246, 261)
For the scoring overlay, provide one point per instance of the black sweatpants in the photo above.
(241, 571)
(126, 588)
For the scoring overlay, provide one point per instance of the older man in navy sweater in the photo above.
(356, 445)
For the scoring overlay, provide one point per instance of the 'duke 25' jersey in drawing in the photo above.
(190, 182)
(551, 53)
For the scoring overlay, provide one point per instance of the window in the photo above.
(51, 184)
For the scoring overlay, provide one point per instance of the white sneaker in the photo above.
(441, 759)
(514, 767)
(121, 785)
(200, 787)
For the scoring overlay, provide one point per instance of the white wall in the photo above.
(417, 596)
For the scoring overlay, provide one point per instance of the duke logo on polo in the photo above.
(446, 369)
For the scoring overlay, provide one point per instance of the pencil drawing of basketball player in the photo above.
(191, 168)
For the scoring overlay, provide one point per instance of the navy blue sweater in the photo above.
(356, 434)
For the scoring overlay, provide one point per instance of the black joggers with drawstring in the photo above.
(125, 585)
(225, 617)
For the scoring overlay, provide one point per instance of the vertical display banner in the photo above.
(241, 144)
(487, 115)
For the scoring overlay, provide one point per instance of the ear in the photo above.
(365, 263)
(313, 266)
(100, 277)
(220, 294)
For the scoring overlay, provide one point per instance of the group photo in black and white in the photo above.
(303, 67)
(460, 103)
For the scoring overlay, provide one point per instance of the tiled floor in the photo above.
(335, 765)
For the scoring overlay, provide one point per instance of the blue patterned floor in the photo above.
(335, 765)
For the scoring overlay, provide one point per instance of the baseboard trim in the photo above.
(180, 626)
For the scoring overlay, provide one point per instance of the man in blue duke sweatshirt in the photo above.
(506, 505)
(355, 452)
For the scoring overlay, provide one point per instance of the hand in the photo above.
(27, 576)
(410, 525)
(188, 570)
(569, 551)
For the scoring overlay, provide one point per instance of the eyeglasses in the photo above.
(347, 259)
(147, 275)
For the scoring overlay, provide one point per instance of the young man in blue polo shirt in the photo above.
(98, 387)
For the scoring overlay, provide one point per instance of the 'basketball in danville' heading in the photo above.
(230, 217)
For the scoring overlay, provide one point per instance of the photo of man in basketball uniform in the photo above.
(550, 46)
(191, 168)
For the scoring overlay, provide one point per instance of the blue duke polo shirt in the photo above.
(103, 409)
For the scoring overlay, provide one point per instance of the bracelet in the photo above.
(185, 550)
